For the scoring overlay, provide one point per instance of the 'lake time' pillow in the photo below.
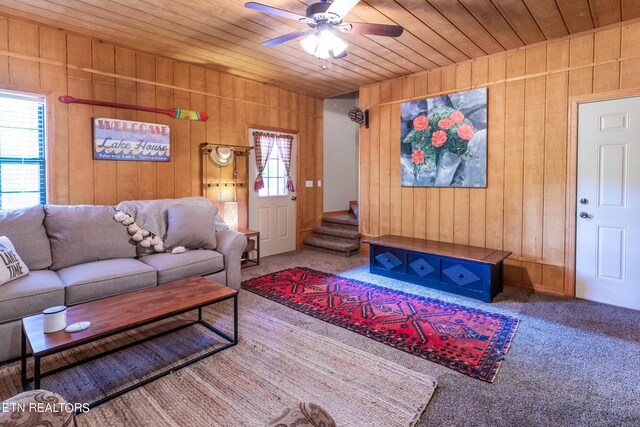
(11, 266)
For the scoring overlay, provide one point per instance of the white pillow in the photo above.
(11, 266)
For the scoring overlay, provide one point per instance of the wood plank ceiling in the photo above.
(224, 35)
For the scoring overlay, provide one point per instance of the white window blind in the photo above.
(22, 150)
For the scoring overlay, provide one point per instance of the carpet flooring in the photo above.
(571, 363)
(274, 365)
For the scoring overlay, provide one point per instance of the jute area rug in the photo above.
(274, 365)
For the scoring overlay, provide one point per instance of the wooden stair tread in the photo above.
(337, 232)
(341, 219)
(331, 244)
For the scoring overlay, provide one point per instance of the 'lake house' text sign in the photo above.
(115, 139)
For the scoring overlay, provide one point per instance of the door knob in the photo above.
(584, 215)
(294, 198)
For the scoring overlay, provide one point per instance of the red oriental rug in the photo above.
(467, 340)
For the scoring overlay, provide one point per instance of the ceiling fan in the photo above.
(324, 17)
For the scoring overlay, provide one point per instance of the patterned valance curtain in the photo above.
(263, 143)
(285, 143)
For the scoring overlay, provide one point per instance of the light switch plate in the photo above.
(309, 183)
(319, 183)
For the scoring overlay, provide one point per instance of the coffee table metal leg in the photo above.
(36, 372)
(199, 314)
(23, 361)
(235, 319)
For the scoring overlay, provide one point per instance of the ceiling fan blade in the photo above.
(372, 29)
(342, 7)
(286, 37)
(274, 11)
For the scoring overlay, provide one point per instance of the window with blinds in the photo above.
(22, 150)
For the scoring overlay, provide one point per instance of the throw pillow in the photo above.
(11, 265)
(25, 228)
(191, 226)
(83, 233)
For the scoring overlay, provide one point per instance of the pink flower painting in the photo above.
(443, 140)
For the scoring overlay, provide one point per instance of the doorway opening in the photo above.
(341, 161)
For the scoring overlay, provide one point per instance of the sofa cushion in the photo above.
(99, 279)
(81, 234)
(173, 267)
(11, 332)
(191, 226)
(25, 229)
(30, 294)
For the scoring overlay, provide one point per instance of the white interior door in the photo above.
(272, 210)
(608, 213)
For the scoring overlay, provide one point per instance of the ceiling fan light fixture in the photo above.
(325, 42)
(310, 44)
(339, 46)
(322, 44)
(323, 17)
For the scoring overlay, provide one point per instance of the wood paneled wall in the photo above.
(43, 60)
(522, 210)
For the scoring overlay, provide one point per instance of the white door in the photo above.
(272, 210)
(608, 205)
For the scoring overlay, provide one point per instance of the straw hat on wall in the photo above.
(222, 155)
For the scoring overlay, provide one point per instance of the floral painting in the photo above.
(444, 141)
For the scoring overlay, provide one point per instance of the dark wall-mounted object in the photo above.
(359, 116)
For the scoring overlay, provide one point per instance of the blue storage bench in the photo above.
(460, 269)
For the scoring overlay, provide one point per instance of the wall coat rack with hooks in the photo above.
(223, 155)
(224, 175)
(226, 184)
(239, 150)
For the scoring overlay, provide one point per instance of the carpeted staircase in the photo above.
(338, 234)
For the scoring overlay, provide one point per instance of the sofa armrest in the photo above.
(231, 244)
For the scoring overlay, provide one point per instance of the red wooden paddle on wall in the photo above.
(177, 113)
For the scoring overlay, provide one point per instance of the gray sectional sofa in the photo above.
(81, 253)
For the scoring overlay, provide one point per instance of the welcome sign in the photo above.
(115, 139)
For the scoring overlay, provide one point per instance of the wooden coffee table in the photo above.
(116, 314)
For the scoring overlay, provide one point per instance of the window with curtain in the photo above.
(274, 176)
(22, 150)
(273, 160)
